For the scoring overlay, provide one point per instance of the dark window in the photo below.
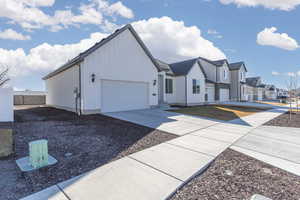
(196, 86)
(169, 86)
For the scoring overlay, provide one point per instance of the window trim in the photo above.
(169, 86)
(196, 86)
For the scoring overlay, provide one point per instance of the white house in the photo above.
(6, 105)
(116, 74)
(183, 82)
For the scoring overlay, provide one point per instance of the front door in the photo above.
(160, 89)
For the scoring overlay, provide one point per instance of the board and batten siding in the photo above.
(195, 73)
(120, 59)
(6, 105)
(210, 70)
(60, 89)
(235, 84)
(220, 74)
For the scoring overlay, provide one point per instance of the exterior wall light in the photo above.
(93, 76)
(154, 82)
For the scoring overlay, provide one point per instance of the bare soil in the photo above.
(79, 143)
(235, 176)
(285, 121)
(220, 112)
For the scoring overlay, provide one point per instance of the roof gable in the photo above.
(237, 66)
(87, 52)
(184, 67)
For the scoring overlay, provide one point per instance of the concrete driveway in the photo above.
(170, 122)
(278, 146)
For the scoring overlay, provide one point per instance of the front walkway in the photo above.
(157, 172)
(170, 122)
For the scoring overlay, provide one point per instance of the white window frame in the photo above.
(196, 86)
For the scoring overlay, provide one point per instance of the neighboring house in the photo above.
(116, 74)
(183, 82)
(29, 97)
(282, 93)
(258, 87)
(218, 79)
(270, 92)
(249, 92)
(238, 82)
(210, 70)
(222, 87)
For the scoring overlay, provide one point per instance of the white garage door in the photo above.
(224, 95)
(210, 91)
(122, 96)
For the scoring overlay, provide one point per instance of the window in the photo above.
(196, 86)
(242, 76)
(225, 74)
(169, 86)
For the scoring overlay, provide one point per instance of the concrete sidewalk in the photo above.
(278, 146)
(157, 172)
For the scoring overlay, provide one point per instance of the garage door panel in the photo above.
(210, 91)
(123, 95)
(224, 94)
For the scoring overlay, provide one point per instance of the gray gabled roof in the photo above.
(217, 63)
(182, 68)
(237, 66)
(220, 62)
(84, 54)
(254, 81)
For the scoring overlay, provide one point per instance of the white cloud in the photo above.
(29, 14)
(212, 32)
(285, 5)
(215, 33)
(269, 37)
(41, 57)
(167, 39)
(120, 9)
(171, 40)
(13, 35)
(292, 74)
(274, 73)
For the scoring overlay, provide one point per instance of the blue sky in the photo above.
(262, 34)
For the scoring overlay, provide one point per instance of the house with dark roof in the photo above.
(116, 74)
(238, 90)
(257, 86)
(218, 79)
(183, 82)
(270, 92)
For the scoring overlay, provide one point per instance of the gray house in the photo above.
(258, 87)
(238, 81)
(218, 77)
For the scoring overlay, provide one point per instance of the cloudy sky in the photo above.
(37, 36)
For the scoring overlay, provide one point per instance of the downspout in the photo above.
(79, 97)
(186, 98)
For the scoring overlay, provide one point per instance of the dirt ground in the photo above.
(80, 144)
(220, 112)
(284, 120)
(235, 176)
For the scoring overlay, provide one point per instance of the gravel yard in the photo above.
(79, 144)
(235, 176)
(284, 120)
